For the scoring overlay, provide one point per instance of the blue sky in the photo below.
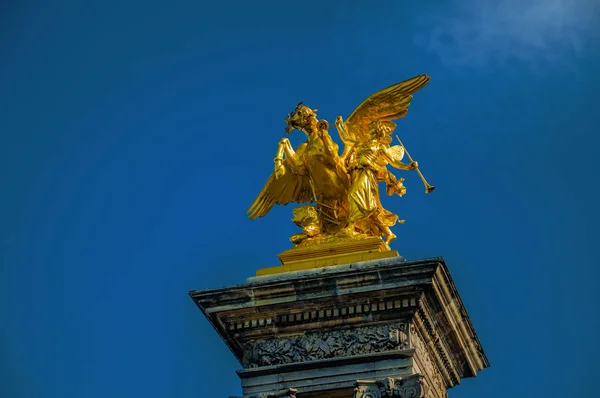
(135, 134)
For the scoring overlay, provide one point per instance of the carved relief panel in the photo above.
(324, 345)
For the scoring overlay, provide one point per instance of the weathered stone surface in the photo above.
(425, 365)
(328, 375)
(323, 329)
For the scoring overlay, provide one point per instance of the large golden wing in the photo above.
(287, 189)
(386, 105)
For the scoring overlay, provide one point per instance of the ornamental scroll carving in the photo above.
(324, 345)
(429, 366)
(390, 387)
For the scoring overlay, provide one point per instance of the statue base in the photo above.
(323, 252)
(374, 329)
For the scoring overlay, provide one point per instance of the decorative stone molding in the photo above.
(438, 350)
(413, 387)
(426, 363)
(318, 315)
(325, 345)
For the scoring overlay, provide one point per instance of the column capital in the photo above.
(410, 387)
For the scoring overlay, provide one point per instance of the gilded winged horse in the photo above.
(314, 172)
(343, 189)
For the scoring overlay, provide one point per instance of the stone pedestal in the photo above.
(381, 328)
(324, 252)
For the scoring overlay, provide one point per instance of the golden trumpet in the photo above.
(428, 187)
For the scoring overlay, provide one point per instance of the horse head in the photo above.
(302, 118)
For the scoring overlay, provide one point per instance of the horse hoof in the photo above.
(279, 171)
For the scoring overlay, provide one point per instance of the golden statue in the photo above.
(342, 189)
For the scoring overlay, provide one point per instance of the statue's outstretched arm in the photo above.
(344, 135)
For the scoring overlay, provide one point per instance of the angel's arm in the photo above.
(344, 135)
(393, 161)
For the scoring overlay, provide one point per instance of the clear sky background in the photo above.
(134, 134)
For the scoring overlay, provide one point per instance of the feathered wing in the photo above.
(386, 105)
(287, 189)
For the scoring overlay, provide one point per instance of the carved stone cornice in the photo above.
(319, 312)
(445, 302)
(434, 346)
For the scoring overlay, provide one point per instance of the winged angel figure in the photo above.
(343, 189)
